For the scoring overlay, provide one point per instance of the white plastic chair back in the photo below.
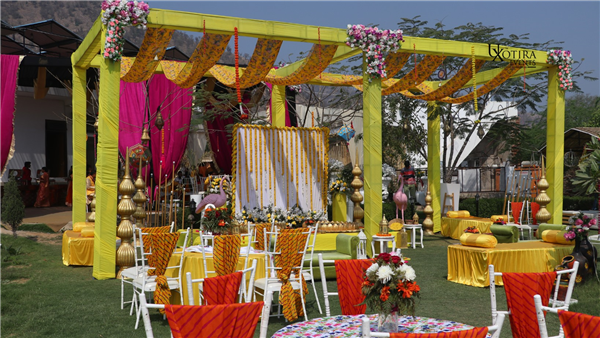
(557, 304)
(205, 239)
(249, 240)
(326, 293)
(245, 292)
(308, 271)
(203, 214)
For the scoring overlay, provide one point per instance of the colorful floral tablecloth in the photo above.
(350, 326)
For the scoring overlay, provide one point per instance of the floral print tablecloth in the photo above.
(350, 326)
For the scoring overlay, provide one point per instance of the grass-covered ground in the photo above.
(43, 298)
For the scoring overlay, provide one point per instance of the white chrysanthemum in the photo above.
(385, 273)
(408, 272)
(372, 269)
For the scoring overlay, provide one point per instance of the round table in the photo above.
(350, 326)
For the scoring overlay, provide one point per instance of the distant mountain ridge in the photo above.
(79, 16)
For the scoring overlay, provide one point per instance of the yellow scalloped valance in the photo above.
(318, 59)
(151, 52)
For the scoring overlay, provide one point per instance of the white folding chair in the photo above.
(147, 283)
(271, 284)
(326, 293)
(307, 272)
(130, 274)
(366, 329)
(559, 304)
(245, 293)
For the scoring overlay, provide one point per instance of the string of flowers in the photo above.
(564, 60)
(376, 44)
(117, 15)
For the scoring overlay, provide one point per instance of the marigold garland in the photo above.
(255, 156)
(248, 146)
(260, 143)
(474, 77)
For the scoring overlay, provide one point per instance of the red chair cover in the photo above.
(516, 208)
(534, 210)
(349, 282)
(520, 289)
(478, 332)
(579, 325)
(222, 289)
(209, 321)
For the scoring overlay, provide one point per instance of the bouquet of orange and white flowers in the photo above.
(389, 285)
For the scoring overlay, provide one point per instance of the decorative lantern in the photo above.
(159, 122)
(145, 136)
(383, 227)
(480, 132)
(361, 250)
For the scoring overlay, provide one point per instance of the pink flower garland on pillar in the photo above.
(117, 15)
(564, 60)
(376, 44)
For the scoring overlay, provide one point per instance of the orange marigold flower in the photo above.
(221, 223)
(412, 286)
(385, 293)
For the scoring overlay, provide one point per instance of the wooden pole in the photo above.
(159, 191)
(151, 198)
(182, 210)
(172, 193)
(164, 206)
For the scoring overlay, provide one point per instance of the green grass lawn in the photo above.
(43, 298)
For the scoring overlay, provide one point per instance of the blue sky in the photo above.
(577, 23)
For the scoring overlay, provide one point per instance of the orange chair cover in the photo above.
(226, 253)
(534, 210)
(520, 289)
(291, 243)
(222, 289)
(516, 208)
(209, 321)
(260, 235)
(162, 246)
(478, 332)
(579, 325)
(153, 230)
(349, 282)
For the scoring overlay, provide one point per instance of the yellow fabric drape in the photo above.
(555, 150)
(290, 243)
(423, 71)
(455, 227)
(455, 83)
(263, 58)
(226, 253)
(318, 59)
(207, 53)
(107, 170)
(433, 163)
(504, 75)
(79, 144)
(151, 51)
(469, 265)
(394, 63)
(77, 250)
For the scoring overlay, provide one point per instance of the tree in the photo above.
(587, 177)
(461, 121)
(13, 208)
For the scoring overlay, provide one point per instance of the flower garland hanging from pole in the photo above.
(376, 44)
(564, 60)
(117, 15)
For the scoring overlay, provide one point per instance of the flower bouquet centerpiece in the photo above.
(390, 289)
(472, 230)
(116, 15)
(579, 226)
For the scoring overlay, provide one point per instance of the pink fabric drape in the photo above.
(9, 66)
(132, 105)
(175, 103)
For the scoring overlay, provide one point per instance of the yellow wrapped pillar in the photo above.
(79, 144)
(278, 106)
(433, 164)
(107, 170)
(339, 207)
(555, 150)
(372, 152)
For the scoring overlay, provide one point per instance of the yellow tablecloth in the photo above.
(469, 265)
(192, 262)
(455, 227)
(77, 250)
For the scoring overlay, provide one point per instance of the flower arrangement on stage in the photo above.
(212, 185)
(117, 15)
(338, 187)
(389, 285)
(295, 217)
(580, 225)
(564, 60)
(376, 44)
(472, 230)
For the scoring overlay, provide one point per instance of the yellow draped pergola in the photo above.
(328, 47)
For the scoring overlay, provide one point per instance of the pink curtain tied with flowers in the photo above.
(9, 66)
(175, 106)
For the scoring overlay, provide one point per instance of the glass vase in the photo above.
(387, 322)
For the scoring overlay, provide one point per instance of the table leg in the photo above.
(414, 238)
(383, 246)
